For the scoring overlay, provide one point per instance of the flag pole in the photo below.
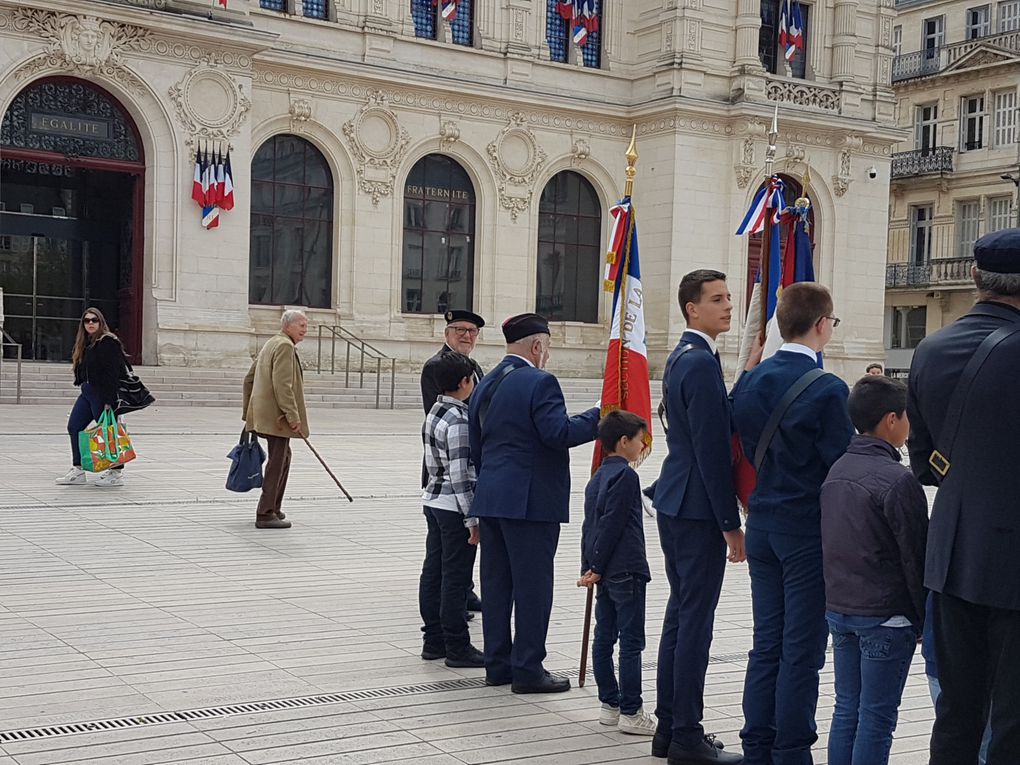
(766, 235)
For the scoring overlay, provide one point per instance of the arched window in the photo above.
(564, 19)
(291, 255)
(428, 15)
(569, 256)
(439, 237)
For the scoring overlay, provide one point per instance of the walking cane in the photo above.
(584, 639)
(323, 462)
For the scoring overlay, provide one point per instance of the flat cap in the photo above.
(999, 252)
(524, 324)
(459, 315)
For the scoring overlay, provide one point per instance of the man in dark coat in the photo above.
(461, 335)
(520, 439)
(697, 518)
(972, 564)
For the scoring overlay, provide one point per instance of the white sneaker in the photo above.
(639, 724)
(72, 477)
(609, 715)
(109, 478)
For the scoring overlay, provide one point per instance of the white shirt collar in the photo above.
(706, 338)
(522, 358)
(798, 348)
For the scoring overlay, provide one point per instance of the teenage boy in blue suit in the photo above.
(697, 518)
(520, 438)
(784, 548)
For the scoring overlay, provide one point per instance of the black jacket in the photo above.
(429, 388)
(612, 535)
(974, 536)
(874, 525)
(103, 366)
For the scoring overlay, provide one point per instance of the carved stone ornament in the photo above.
(802, 94)
(841, 181)
(82, 45)
(210, 104)
(300, 112)
(449, 134)
(580, 150)
(378, 143)
(516, 158)
(745, 169)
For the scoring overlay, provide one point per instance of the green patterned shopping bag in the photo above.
(105, 445)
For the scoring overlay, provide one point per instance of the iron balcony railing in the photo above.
(923, 63)
(935, 273)
(937, 160)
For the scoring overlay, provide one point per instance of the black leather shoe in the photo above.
(430, 653)
(281, 515)
(272, 523)
(469, 657)
(662, 739)
(474, 603)
(492, 681)
(706, 752)
(548, 684)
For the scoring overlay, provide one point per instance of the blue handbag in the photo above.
(246, 464)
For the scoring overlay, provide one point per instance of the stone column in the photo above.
(844, 40)
(748, 24)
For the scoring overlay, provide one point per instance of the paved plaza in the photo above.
(160, 608)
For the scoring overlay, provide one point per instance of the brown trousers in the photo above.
(274, 482)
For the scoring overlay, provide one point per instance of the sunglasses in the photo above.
(90, 320)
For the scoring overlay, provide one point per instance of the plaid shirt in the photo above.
(451, 478)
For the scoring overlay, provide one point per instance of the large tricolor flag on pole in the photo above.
(626, 383)
(791, 29)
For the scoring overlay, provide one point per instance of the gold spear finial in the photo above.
(632, 158)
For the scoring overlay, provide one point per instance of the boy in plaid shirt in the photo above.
(452, 537)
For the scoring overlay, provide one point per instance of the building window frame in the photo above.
(968, 226)
(428, 23)
(277, 6)
(978, 22)
(921, 225)
(909, 326)
(897, 40)
(926, 127)
(933, 34)
(559, 37)
(769, 52)
(972, 122)
(1009, 16)
(1004, 118)
(1000, 213)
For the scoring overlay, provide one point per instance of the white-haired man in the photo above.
(274, 407)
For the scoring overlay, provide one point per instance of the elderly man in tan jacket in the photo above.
(274, 407)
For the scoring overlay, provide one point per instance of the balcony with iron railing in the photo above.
(934, 161)
(938, 272)
(924, 63)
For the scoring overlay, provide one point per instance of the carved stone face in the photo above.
(88, 40)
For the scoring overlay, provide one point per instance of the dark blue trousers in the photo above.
(85, 411)
(695, 554)
(790, 635)
(517, 578)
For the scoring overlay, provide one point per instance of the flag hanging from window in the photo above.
(791, 29)
(447, 9)
(625, 384)
(212, 186)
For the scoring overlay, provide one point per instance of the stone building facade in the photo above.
(381, 176)
(954, 175)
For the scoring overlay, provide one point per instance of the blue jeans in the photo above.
(871, 664)
(935, 689)
(788, 649)
(619, 615)
(85, 411)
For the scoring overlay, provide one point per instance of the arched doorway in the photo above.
(793, 189)
(71, 216)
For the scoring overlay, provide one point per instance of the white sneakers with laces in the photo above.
(74, 476)
(609, 715)
(109, 478)
(638, 724)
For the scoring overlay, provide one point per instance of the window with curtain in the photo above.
(273, 5)
(569, 256)
(559, 32)
(315, 9)
(428, 16)
(439, 237)
(291, 250)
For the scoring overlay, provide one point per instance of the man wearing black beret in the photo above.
(964, 408)
(520, 437)
(461, 334)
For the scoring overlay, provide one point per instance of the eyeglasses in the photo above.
(90, 320)
(834, 319)
(465, 331)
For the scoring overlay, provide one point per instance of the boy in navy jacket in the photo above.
(613, 556)
(782, 540)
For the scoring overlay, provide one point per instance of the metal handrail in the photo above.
(6, 341)
(364, 350)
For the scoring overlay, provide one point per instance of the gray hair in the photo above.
(991, 284)
(529, 339)
(291, 316)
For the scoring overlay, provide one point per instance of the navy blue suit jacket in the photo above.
(613, 535)
(974, 532)
(521, 452)
(696, 480)
(813, 434)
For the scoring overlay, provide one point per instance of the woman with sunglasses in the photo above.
(98, 361)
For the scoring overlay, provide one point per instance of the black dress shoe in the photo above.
(272, 523)
(663, 737)
(492, 681)
(281, 515)
(548, 684)
(705, 752)
(469, 657)
(431, 653)
(474, 603)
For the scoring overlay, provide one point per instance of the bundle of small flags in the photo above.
(583, 17)
(791, 29)
(213, 185)
(448, 9)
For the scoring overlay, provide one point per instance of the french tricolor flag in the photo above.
(791, 29)
(626, 382)
(770, 197)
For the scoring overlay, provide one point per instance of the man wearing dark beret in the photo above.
(520, 437)
(461, 334)
(964, 407)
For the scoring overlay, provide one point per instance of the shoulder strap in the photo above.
(483, 408)
(940, 458)
(765, 441)
(665, 382)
